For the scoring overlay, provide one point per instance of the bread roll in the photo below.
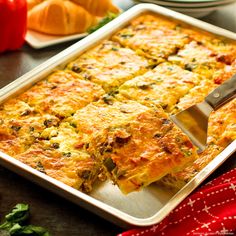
(59, 17)
(97, 7)
(32, 3)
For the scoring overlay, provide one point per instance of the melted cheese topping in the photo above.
(222, 75)
(224, 49)
(21, 126)
(197, 58)
(60, 154)
(222, 124)
(164, 86)
(152, 38)
(62, 94)
(195, 95)
(109, 65)
(98, 116)
(152, 21)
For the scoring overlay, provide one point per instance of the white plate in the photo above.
(196, 12)
(39, 40)
(191, 5)
(191, 1)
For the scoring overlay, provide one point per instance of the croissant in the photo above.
(59, 17)
(97, 7)
(32, 3)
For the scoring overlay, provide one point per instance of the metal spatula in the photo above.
(194, 120)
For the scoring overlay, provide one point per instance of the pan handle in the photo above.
(222, 94)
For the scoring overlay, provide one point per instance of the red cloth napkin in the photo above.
(209, 211)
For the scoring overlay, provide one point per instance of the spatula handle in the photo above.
(222, 94)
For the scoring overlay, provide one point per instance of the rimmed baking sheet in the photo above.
(143, 208)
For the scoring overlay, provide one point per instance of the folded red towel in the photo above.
(211, 210)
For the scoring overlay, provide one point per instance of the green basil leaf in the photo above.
(15, 229)
(19, 214)
(6, 225)
(32, 230)
(14, 224)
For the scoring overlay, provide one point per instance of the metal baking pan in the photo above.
(143, 208)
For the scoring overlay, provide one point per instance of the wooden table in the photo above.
(58, 215)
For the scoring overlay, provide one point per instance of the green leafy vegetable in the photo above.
(15, 223)
(18, 214)
(110, 16)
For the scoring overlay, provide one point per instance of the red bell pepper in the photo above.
(13, 20)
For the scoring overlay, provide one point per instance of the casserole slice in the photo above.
(221, 132)
(62, 94)
(21, 126)
(224, 49)
(136, 144)
(164, 86)
(109, 65)
(59, 154)
(197, 58)
(195, 95)
(152, 37)
(177, 180)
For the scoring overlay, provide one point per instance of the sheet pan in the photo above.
(143, 208)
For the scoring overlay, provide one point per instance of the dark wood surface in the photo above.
(60, 216)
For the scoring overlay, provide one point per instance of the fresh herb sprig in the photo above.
(110, 16)
(15, 223)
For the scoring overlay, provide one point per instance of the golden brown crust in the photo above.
(62, 94)
(59, 154)
(197, 58)
(224, 49)
(179, 179)
(195, 95)
(97, 7)
(32, 3)
(164, 86)
(109, 65)
(151, 37)
(68, 127)
(141, 142)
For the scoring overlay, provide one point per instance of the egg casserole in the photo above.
(152, 37)
(109, 65)
(136, 144)
(106, 115)
(164, 85)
